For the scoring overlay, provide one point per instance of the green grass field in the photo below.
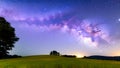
(45, 61)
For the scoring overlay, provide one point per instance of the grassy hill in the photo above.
(45, 61)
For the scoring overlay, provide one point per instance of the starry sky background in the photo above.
(80, 27)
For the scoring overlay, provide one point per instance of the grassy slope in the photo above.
(56, 62)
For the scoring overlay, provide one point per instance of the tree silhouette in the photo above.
(7, 37)
(54, 53)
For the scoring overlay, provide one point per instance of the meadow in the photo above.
(46, 61)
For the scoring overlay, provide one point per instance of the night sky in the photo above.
(79, 27)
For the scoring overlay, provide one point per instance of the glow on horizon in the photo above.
(79, 56)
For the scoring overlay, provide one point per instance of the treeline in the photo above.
(98, 57)
(56, 53)
(10, 56)
(103, 57)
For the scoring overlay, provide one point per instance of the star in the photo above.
(119, 19)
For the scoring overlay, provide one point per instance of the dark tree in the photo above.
(54, 53)
(70, 56)
(7, 37)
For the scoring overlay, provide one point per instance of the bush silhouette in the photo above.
(54, 53)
